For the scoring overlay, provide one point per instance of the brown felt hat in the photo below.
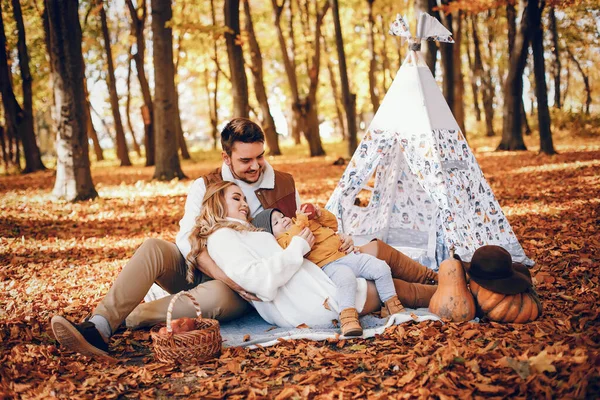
(492, 268)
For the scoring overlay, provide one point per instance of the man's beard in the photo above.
(236, 176)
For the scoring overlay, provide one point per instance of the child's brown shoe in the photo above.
(350, 324)
(394, 306)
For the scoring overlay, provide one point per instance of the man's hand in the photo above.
(210, 268)
(347, 243)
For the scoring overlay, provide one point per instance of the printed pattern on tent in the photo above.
(429, 196)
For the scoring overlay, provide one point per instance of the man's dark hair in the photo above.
(240, 130)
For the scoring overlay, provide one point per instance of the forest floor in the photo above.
(60, 258)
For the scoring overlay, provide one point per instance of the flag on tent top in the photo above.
(428, 28)
(413, 181)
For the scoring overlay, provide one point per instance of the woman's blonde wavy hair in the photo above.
(212, 218)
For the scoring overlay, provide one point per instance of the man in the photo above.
(164, 263)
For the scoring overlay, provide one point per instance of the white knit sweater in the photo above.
(294, 290)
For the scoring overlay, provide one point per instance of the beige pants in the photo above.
(161, 262)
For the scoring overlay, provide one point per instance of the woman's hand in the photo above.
(307, 235)
(347, 244)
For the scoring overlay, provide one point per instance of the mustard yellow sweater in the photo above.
(327, 241)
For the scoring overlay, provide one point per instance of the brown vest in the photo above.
(282, 196)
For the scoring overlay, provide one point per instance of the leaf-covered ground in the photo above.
(61, 258)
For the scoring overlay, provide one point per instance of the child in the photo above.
(342, 268)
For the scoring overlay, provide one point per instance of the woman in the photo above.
(294, 290)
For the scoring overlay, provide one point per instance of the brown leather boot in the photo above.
(394, 306)
(350, 324)
(404, 267)
(414, 295)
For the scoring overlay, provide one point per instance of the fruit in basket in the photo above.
(180, 325)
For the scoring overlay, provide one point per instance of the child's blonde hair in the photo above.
(212, 218)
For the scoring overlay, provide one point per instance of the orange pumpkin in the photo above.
(516, 308)
(452, 299)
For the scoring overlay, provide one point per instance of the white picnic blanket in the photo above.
(251, 330)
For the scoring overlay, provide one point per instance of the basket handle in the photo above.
(172, 303)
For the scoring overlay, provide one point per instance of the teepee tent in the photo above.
(413, 180)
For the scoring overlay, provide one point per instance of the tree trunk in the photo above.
(511, 16)
(3, 145)
(374, 93)
(334, 91)
(91, 131)
(136, 146)
(122, 152)
(239, 82)
(22, 119)
(213, 105)
(512, 136)
(475, 78)
(459, 86)
(181, 144)
(167, 160)
(446, 49)
(486, 81)
(556, 67)
(290, 71)
(586, 82)
(429, 48)
(259, 85)
(348, 98)
(73, 176)
(309, 105)
(539, 68)
(565, 91)
(138, 20)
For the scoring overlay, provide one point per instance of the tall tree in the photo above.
(19, 119)
(373, 91)
(304, 110)
(268, 124)
(348, 98)
(447, 53)
(122, 152)
(486, 80)
(586, 81)
(541, 92)
(474, 76)
(167, 161)
(239, 82)
(334, 90)
(213, 102)
(556, 67)
(181, 144)
(91, 130)
(512, 136)
(136, 146)
(73, 175)
(459, 86)
(511, 18)
(138, 20)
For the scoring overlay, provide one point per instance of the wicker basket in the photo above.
(200, 344)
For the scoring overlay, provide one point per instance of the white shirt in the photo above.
(293, 289)
(193, 203)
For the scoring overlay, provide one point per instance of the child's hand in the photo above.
(311, 210)
(318, 212)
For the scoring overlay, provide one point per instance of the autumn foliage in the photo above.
(62, 257)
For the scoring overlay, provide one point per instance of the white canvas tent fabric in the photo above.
(427, 195)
